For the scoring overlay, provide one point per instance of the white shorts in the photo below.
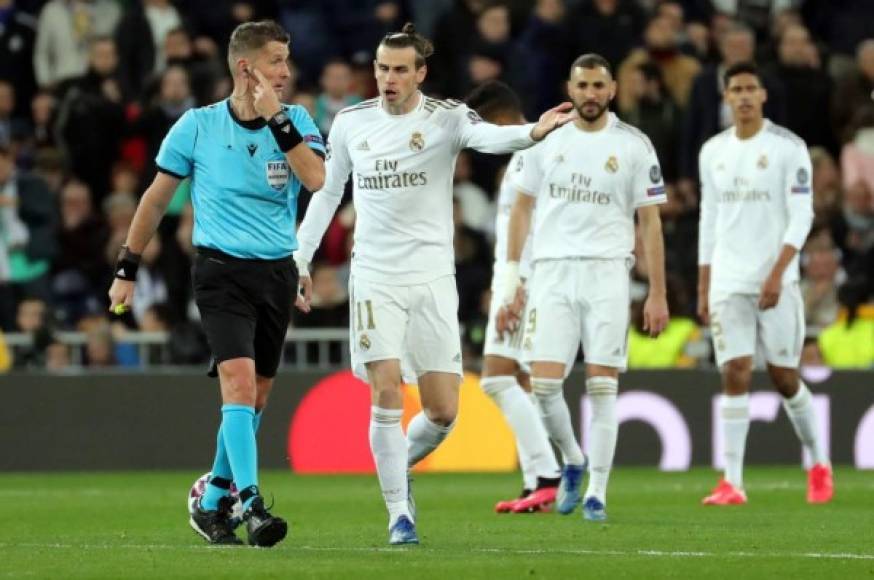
(738, 327)
(416, 324)
(578, 301)
(510, 346)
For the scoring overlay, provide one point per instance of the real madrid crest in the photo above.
(762, 163)
(612, 165)
(417, 142)
(364, 342)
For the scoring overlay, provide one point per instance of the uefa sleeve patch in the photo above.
(317, 139)
(656, 191)
(803, 189)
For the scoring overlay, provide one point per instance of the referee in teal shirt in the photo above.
(247, 157)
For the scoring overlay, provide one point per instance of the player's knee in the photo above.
(546, 388)
(443, 415)
(494, 386)
(737, 374)
(785, 380)
(497, 366)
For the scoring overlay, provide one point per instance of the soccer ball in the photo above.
(198, 488)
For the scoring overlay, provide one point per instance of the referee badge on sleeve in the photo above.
(277, 174)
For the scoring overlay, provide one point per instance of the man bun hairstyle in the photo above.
(493, 98)
(252, 36)
(409, 37)
(740, 69)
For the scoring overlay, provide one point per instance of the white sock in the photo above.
(535, 453)
(390, 456)
(423, 437)
(602, 393)
(735, 411)
(557, 419)
(800, 411)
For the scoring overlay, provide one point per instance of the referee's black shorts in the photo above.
(245, 306)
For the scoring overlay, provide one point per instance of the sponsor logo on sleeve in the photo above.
(801, 181)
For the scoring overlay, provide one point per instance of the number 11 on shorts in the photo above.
(368, 305)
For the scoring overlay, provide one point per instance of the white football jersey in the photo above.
(588, 185)
(506, 198)
(755, 198)
(402, 168)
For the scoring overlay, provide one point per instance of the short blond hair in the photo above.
(252, 36)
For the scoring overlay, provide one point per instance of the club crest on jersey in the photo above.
(762, 163)
(277, 174)
(364, 342)
(612, 165)
(417, 142)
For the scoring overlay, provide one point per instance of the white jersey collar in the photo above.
(415, 110)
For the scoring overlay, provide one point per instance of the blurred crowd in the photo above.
(88, 89)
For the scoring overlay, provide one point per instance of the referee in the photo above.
(247, 157)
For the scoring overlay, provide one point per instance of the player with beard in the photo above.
(588, 179)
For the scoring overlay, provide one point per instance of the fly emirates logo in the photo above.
(579, 191)
(387, 176)
(743, 191)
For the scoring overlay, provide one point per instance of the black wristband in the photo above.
(287, 137)
(127, 264)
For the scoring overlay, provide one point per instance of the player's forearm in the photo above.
(704, 279)
(519, 226)
(787, 254)
(800, 221)
(488, 138)
(319, 214)
(654, 252)
(307, 166)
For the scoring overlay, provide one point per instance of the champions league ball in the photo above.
(199, 488)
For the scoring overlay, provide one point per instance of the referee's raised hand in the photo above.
(266, 101)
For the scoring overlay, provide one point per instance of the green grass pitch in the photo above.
(134, 525)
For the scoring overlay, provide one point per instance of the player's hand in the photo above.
(304, 297)
(655, 315)
(121, 296)
(703, 307)
(510, 315)
(553, 119)
(266, 101)
(770, 294)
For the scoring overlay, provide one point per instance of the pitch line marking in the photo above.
(509, 551)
